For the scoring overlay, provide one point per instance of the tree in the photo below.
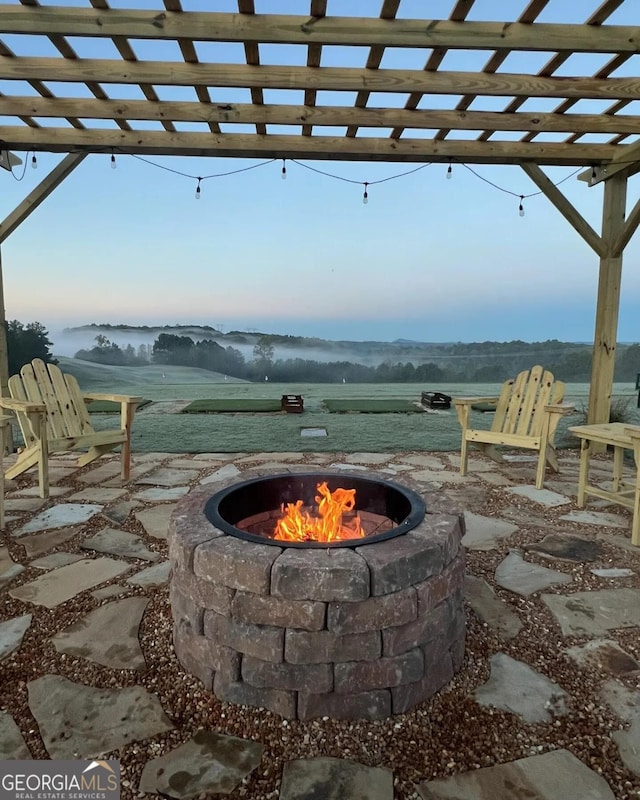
(25, 343)
(263, 351)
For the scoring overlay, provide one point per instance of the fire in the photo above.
(298, 525)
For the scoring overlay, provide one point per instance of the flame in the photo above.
(298, 525)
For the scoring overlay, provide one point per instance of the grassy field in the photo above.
(156, 431)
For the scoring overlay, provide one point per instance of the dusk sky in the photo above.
(427, 258)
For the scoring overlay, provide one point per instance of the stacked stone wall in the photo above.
(351, 633)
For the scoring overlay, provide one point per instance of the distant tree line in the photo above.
(477, 362)
(26, 342)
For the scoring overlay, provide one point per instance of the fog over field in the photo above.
(67, 342)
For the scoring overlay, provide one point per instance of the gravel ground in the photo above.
(449, 734)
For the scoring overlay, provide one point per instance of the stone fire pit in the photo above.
(359, 632)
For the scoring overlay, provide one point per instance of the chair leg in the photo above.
(464, 455)
(542, 466)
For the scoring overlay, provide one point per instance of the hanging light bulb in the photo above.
(34, 162)
(113, 161)
(283, 174)
(198, 189)
(521, 207)
(365, 196)
(449, 172)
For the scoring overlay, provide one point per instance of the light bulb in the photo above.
(283, 174)
(521, 208)
(198, 190)
(365, 196)
(113, 161)
(449, 172)
(34, 161)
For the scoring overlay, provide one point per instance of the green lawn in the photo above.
(232, 405)
(431, 430)
(366, 405)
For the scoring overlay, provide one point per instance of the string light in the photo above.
(198, 189)
(283, 174)
(521, 207)
(34, 162)
(449, 172)
(365, 196)
(113, 160)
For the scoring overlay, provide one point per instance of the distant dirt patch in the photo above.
(366, 405)
(232, 405)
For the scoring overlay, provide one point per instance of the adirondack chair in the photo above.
(527, 413)
(53, 418)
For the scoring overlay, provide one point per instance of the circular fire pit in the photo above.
(359, 628)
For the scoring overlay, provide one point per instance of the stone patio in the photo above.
(544, 707)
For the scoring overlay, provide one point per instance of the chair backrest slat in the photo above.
(520, 409)
(38, 382)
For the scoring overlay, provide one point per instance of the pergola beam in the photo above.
(276, 114)
(39, 194)
(307, 30)
(626, 232)
(339, 79)
(566, 208)
(291, 146)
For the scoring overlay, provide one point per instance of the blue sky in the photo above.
(427, 258)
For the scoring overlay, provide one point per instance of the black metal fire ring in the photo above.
(244, 499)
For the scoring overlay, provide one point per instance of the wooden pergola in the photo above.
(252, 84)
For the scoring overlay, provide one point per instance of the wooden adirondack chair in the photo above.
(53, 418)
(527, 413)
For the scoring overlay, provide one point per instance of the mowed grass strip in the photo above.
(231, 405)
(110, 407)
(366, 405)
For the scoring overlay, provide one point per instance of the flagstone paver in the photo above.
(586, 517)
(513, 686)
(60, 516)
(34, 491)
(490, 608)
(62, 584)
(596, 612)
(12, 633)
(112, 590)
(78, 721)
(9, 569)
(606, 654)
(612, 572)
(210, 763)
(168, 476)
(562, 547)
(524, 578)
(484, 533)
(623, 542)
(370, 459)
(36, 543)
(152, 576)
(425, 461)
(119, 543)
(12, 745)
(98, 494)
(543, 497)
(23, 503)
(549, 776)
(108, 635)
(54, 560)
(119, 512)
(334, 779)
(161, 494)
(228, 471)
(626, 703)
(155, 521)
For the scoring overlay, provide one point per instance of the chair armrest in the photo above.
(633, 431)
(469, 401)
(560, 408)
(22, 405)
(114, 398)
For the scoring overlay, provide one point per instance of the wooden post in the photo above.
(606, 328)
(4, 358)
